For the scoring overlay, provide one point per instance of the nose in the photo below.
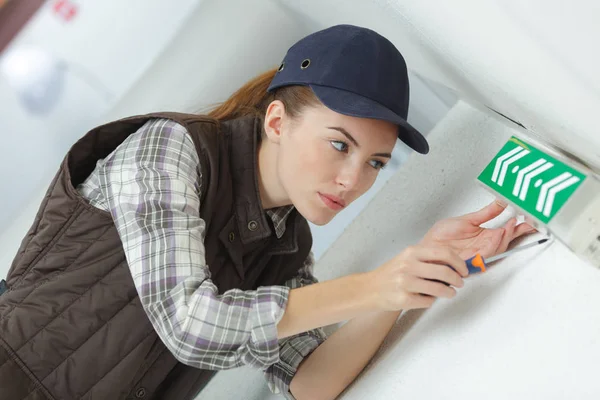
(349, 176)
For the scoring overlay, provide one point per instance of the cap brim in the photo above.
(354, 105)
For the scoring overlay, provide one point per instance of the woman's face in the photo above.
(326, 160)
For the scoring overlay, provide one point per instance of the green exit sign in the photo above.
(531, 179)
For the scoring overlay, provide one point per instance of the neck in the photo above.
(272, 194)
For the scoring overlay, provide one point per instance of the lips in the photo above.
(333, 202)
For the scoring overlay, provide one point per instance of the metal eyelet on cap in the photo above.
(305, 63)
(252, 225)
(281, 67)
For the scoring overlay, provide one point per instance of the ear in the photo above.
(273, 120)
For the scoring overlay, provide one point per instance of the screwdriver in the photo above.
(477, 263)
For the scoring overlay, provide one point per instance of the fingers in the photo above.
(512, 232)
(487, 213)
(417, 276)
(523, 229)
(421, 300)
(439, 273)
(509, 231)
(435, 289)
(441, 255)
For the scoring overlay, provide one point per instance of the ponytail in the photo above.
(253, 99)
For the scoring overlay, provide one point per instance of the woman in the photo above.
(170, 246)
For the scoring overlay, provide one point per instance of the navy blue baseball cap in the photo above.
(354, 71)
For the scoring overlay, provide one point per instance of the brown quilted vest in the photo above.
(71, 322)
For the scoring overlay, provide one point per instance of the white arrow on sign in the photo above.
(527, 174)
(551, 188)
(504, 161)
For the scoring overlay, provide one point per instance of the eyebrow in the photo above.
(351, 138)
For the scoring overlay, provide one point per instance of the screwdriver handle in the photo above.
(476, 264)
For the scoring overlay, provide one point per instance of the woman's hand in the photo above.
(413, 279)
(467, 238)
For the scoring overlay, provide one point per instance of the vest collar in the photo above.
(245, 134)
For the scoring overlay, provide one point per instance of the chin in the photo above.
(316, 217)
(314, 211)
(321, 221)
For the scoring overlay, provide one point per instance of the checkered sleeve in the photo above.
(151, 185)
(294, 349)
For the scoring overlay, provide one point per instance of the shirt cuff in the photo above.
(269, 306)
(292, 351)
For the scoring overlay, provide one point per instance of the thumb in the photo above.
(487, 213)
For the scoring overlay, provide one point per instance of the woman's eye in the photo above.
(377, 164)
(339, 146)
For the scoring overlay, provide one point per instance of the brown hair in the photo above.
(253, 99)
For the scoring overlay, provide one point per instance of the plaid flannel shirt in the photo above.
(151, 185)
